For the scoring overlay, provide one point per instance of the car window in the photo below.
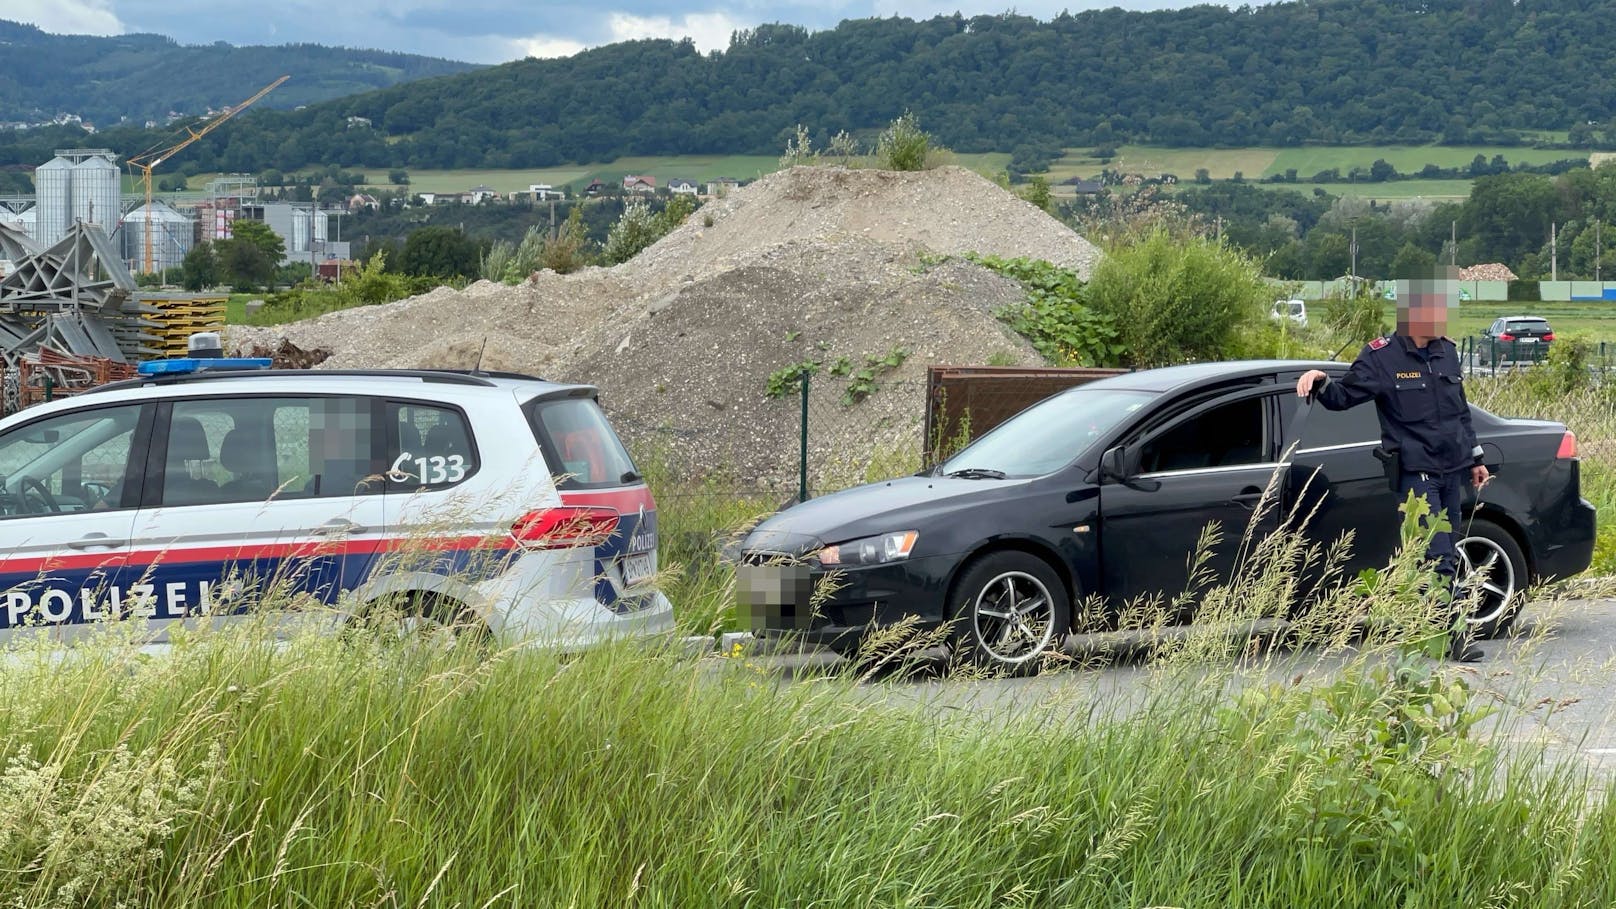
(1325, 428)
(432, 448)
(1227, 436)
(224, 450)
(1528, 325)
(72, 462)
(584, 450)
(1050, 434)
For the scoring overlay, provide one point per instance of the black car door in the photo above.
(1209, 465)
(1337, 483)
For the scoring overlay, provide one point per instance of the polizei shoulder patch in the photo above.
(1378, 343)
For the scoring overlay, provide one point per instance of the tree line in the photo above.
(140, 77)
(1536, 224)
(1284, 74)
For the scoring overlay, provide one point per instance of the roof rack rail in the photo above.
(495, 374)
(442, 376)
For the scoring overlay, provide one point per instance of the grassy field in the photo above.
(1221, 163)
(1596, 321)
(1435, 190)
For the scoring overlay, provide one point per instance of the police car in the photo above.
(210, 487)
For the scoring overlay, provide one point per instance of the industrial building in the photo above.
(79, 184)
(302, 227)
(172, 236)
(85, 185)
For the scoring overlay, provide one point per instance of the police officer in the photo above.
(1414, 378)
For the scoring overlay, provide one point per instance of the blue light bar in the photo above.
(183, 365)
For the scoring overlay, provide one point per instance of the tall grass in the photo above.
(1588, 409)
(362, 771)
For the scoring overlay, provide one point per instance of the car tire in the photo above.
(1010, 613)
(421, 616)
(1492, 553)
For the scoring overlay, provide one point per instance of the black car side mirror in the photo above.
(1113, 465)
(1119, 464)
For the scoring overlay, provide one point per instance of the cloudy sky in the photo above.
(485, 31)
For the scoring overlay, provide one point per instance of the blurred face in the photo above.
(1422, 306)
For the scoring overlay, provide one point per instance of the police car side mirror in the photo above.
(43, 437)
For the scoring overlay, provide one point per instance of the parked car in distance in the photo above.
(1515, 339)
(501, 503)
(1104, 490)
(1294, 310)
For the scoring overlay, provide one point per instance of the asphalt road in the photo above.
(1554, 679)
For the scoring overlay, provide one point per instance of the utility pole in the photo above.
(1453, 243)
(1218, 230)
(1599, 249)
(1353, 277)
(1554, 252)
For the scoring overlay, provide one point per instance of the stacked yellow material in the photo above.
(182, 317)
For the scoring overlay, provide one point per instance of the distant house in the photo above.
(722, 186)
(359, 121)
(483, 193)
(594, 188)
(445, 198)
(1083, 187)
(636, 184)
(682, 188)
(363, 200)
(543, 191)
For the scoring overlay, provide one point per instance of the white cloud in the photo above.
(66, 17)
(546, 46)
(710, 31)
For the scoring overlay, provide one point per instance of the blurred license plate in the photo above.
(638, 567)
(1527, 340)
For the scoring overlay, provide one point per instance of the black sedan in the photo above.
(1106, 490)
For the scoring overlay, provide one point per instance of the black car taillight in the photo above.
(1568, 446)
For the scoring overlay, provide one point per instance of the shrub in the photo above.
(1055, 318)
(1356, 320)
(1176, 298)
(903, 144)
(1525, 291)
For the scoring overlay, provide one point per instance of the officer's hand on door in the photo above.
(1479, 476)
(1304, 385)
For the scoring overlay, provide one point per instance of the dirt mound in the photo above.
(690, 379)
(949, 210)
(809, 264)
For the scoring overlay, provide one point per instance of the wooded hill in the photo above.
(144, 77)
(1319, 71)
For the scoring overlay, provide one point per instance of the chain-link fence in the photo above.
(1487, 355)
(820, 434)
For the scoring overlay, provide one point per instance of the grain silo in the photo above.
(96, 185)
(53, 194)
(171, 237)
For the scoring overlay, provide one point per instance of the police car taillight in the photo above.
(564, 527)
(1568, 446)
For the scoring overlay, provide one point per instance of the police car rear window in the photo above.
(582, 449)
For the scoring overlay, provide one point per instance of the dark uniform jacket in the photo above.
(1419, 397)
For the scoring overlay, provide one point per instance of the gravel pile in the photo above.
(805, 264)
(1493, 271)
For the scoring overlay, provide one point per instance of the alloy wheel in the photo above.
(1484, 564)
(1013, 618)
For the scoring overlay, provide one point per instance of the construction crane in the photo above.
(151, 159)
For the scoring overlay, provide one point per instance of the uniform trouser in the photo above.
(1444, 493)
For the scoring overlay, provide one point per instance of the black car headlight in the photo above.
(876, 550)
